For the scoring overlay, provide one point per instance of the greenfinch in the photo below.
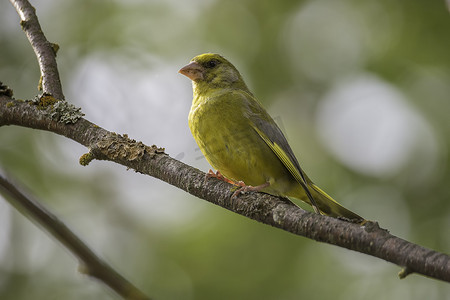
(242, 142)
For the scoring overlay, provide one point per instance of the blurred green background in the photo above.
(361, 89)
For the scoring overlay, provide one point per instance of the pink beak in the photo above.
(193, 71)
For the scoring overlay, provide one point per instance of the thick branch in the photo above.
(90, 263)
(45, 51)
(368, 239)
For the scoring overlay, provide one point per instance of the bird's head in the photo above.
(212, 71)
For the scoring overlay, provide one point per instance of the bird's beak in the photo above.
(193, 70)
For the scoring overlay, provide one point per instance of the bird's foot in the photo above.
(248, 188)
(219, 176)
(240, 186)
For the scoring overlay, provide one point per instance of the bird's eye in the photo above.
(212, 63)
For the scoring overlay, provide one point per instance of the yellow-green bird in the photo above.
(240, 139)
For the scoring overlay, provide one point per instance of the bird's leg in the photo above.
(242, 186)
(219, 176)
(248, 188)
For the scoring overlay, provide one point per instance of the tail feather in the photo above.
(330, 207)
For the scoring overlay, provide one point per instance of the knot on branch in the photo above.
(404, 272)
(26, 25)
(118, 147)
(55, 48)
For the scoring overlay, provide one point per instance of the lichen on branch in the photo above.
(119, 147)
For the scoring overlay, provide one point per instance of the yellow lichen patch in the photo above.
(46, 100)
(10, 104)
(86, 158)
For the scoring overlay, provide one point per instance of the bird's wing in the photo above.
(272, 135)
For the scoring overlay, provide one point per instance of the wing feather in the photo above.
(286, 156)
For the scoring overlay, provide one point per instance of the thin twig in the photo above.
(90, 263)
(45, 51)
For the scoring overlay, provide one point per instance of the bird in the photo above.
(242, 142)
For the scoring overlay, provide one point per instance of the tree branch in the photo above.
(90, 263)
(44, 50)
(274, 211)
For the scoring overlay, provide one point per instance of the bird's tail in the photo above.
(330, 207)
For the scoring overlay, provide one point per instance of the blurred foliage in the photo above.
(361, 89)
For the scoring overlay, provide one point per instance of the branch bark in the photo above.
(90, 263)
(151, 160)
(44, 50)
